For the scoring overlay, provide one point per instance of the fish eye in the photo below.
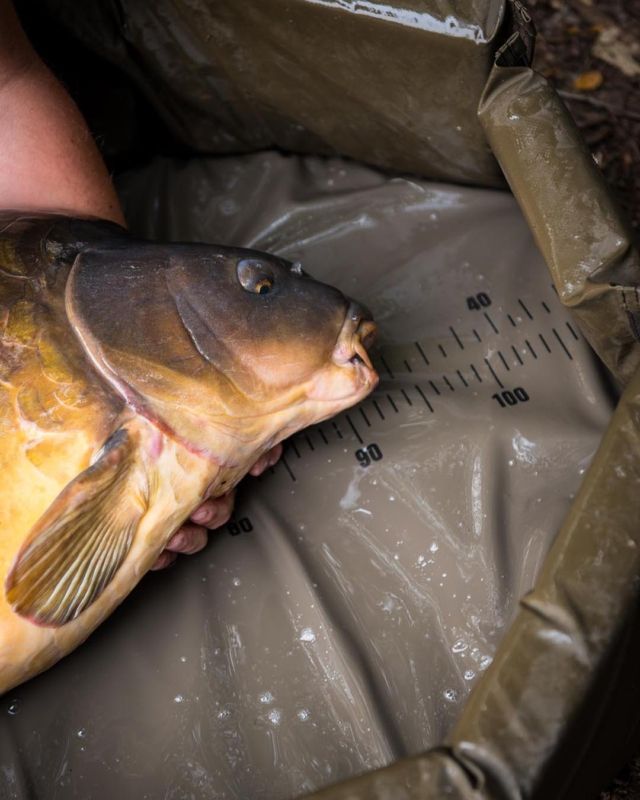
(255, 276)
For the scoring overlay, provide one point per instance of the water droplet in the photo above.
(511, 462)
(485, 661)
(434, 547)
(469, 675)
(236, 581)
(14, 707)
(450, 695)
(224, 714)
(275, 716)
(178, 699)
(266, 698)
(459, 646)
(303, 714)
(307, 635)
(81, 733)
(183, 659)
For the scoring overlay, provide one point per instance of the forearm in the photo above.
(48, 159)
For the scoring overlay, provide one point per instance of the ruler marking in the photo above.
(364, 417)
(491, 322)
(393, 405)
(562, 344)
(476, 373)
(502, 358)
(456, 337)
(295, 449)
(378, 409)
(406, 397)
(423, 396)
(511, 320)
(337, 430)
(546, 307)
(324, 438)
(461, 376)
(386, 366)
(573, 333)
(542, 339)
(533, 352)
(434, 387)
(477, 335)
(525, 309)
(442, 350)
(309, 442)
(355, 430)
(422, 353)
(406, 363)
(446, 380)
(497, 379)
(283, 458)
(517, 355)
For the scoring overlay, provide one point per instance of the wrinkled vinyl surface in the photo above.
(393, 83)
(341, 619)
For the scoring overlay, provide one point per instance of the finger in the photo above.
(189, 539)
(214, 512)
(165, 559)
(266, 460)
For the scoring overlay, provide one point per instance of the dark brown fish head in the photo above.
(210, 339)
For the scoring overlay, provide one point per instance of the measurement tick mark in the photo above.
(546, 307)
(533, 352)
(442, 350)
(288, 468)
(476, 373)
(502, 358)
(477, 335)
(562, 344)
(422, 395)
(511, 320)
(364, 417)
(295, 449)
(422, 353)
(378, 409)
(406, 397)
(491, 370)
(337, 430)
(517, 355)
(461, 376)
(309, 442)
(324, 438)
(393, 405)
(434, 387)
(573, 333)
(491, 322)
(525, 309)
(406, 363)
(386, 366)
(354, 429)
(448, 382)
(542, 339)
(456, 337)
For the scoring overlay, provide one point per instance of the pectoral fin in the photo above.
(76, 547)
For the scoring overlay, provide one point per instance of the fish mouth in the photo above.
(356, 336)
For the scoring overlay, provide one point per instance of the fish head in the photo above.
(223, 342)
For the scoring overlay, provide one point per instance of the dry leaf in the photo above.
(611, 47)
(588, 81)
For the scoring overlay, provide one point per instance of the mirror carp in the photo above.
(136, 379)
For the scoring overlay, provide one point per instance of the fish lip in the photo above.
(357, 334)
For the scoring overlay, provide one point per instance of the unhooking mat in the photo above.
(341, 618)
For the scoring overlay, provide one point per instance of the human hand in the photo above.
(213, 513)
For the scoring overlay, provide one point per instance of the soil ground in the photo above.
(590, 51)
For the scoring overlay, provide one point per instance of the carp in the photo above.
(136, 379)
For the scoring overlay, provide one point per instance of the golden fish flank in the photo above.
(136, 378)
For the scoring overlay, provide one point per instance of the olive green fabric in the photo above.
(581, 233)
(394, 84)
